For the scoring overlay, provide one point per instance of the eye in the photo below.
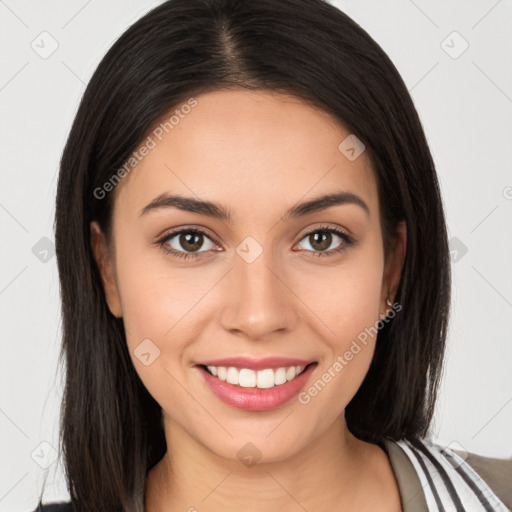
(323, 238)
(188, 242)
(185, 242)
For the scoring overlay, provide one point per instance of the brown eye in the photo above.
(185, 242)
(190, 241)
(321, 240)
(325, 241)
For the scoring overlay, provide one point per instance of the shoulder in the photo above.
(55, 507)
(459, 476)
(497, 473)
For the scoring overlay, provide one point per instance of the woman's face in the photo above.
(259, 284)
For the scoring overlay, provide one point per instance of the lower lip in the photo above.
(256, 399)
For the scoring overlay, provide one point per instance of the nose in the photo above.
(258, 298)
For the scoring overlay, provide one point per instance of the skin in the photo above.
(258, 154)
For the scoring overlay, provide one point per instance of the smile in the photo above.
(263, 379)
(256, 389)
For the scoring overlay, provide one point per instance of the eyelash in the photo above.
(347, 241)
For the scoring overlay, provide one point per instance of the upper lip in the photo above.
(256, 364)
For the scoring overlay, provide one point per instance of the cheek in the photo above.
(164, 310)
(346, 302)
(159, 308)
(344, 297)
(352, 312)
(156, 294)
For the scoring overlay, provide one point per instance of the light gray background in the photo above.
(465, 104)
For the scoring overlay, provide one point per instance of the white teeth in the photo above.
(280, 376)
(233, 376)
(265, 378)
(248, 378)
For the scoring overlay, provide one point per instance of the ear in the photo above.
(106, 269)
(394, 265)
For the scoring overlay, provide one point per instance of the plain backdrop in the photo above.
(454, 56)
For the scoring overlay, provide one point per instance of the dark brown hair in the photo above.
(111, 430)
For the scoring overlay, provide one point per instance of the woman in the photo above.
(255, 275)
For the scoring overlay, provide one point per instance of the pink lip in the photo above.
(256, 399)
(256, 364)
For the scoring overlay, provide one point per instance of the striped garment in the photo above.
(449, 483)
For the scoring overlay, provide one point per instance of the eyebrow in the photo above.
(217, 211)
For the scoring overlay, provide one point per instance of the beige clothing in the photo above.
(497, 473)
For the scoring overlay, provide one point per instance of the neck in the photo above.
(336, 469)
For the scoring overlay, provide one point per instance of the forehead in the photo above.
(248, 150)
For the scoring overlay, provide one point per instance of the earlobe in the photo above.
(105, 267)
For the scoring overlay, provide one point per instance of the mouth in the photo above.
(256, 390)
(265, 378)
